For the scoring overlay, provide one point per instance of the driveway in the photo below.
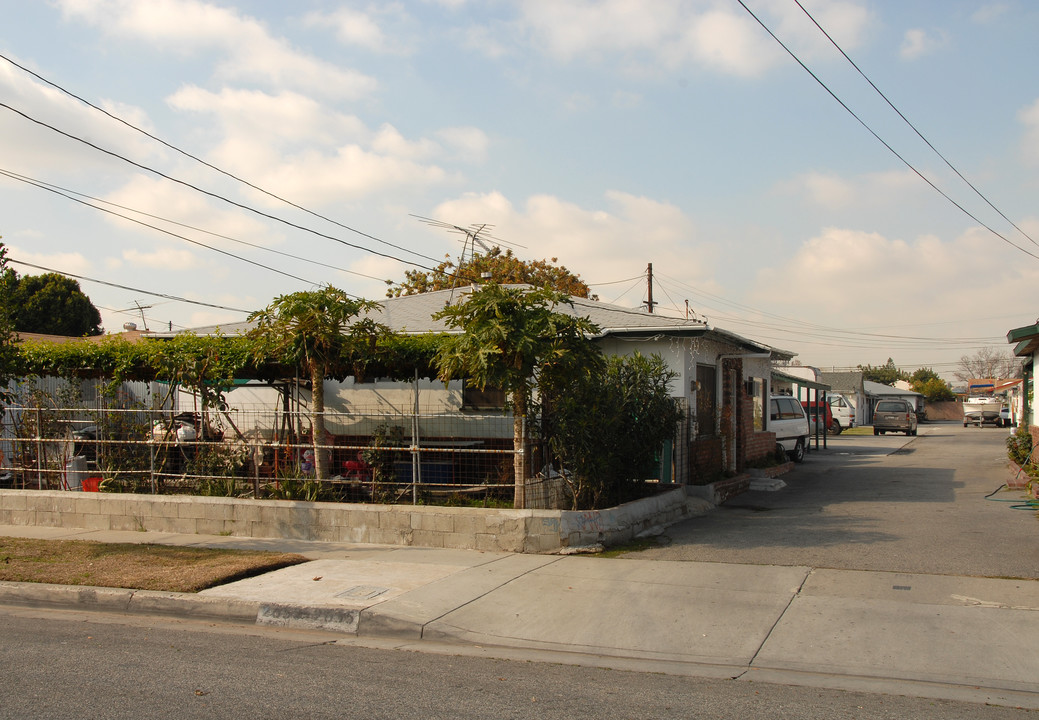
(888, 503)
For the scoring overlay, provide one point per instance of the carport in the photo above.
(811, 391)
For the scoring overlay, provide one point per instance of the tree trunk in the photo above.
(519, 445)
(317, 413)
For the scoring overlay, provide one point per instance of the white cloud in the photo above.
(854, 279)
(389, 141)
(29, 147)
(1029, 118)
(366, 29)
(990, 12)
(167, 200)
(250, 51)
(598, 243)
(163, 258)
(626, 100)
(470, 144)
(69, 262)
(873, 190)
(918, 43)
(352, 27)
(292, 146)
(675, 33)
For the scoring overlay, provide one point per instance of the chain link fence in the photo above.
(443, 458)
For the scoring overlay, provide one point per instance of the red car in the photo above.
(812, 410)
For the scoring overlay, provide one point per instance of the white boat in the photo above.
(979, 410)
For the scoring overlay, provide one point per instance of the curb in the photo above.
(182, 605)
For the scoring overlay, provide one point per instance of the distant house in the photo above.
(723, 380)
(875, 392)
(851, 385)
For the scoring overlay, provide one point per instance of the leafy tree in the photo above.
(886, 374)
(513, 338)
(51, 304)
(988, 363)
(503, 267)
(608, 425)
(312, 330)
(927, 382)
(8, 351)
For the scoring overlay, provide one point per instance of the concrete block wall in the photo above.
(490, 529)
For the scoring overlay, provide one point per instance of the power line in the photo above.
(131, 289)
(46, 185)
(156, 227)
(201, 190)
(907, 122)
(880, 139)
(210, 165)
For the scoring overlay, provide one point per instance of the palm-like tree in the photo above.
(315, 330)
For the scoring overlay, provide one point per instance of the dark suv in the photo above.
(894, 416)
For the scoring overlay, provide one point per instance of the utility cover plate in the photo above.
(362, 592)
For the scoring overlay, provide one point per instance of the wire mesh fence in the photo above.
(370, 457)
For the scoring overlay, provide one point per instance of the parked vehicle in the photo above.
(787, 419)
(843, 413)
(981, 410)
(812, 409)
(1004, 417)
(894, 415)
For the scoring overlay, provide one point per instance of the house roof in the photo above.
(1025, 339)
(880, 389)
(129, 335)
(844, 382)
(413, 315)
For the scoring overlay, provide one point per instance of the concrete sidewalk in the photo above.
(925, 635)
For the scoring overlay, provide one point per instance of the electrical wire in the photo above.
(46, 185)
(207, 164)
(911, 125)
(176, 298)
(880, 139)
(213, 195)
(159, 229)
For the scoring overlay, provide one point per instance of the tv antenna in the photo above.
(139, 308)
(475, 234)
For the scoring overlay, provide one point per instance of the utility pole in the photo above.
(649, 279)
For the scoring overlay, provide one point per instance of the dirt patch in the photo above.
(134, 566)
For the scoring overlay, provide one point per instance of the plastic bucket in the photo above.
(91, 484)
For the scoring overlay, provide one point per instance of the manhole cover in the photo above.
(362, 592)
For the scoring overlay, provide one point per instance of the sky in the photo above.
(847, 215)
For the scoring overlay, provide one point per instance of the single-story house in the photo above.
(875, 392)
(722, 380)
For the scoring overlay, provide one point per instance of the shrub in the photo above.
(605, 430)
(1019, 446)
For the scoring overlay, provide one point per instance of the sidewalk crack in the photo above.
(422, 630)
(779, 618)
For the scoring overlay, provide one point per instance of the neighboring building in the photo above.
(1026, 346)
(723, 380)
(850, 384)
(875, 392)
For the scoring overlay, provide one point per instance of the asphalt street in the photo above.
(890, 503)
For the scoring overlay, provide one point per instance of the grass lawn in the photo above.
(130, 565)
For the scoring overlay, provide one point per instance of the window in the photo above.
(706, 399)
(491, 398)
(757, 391)
(785, 408)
